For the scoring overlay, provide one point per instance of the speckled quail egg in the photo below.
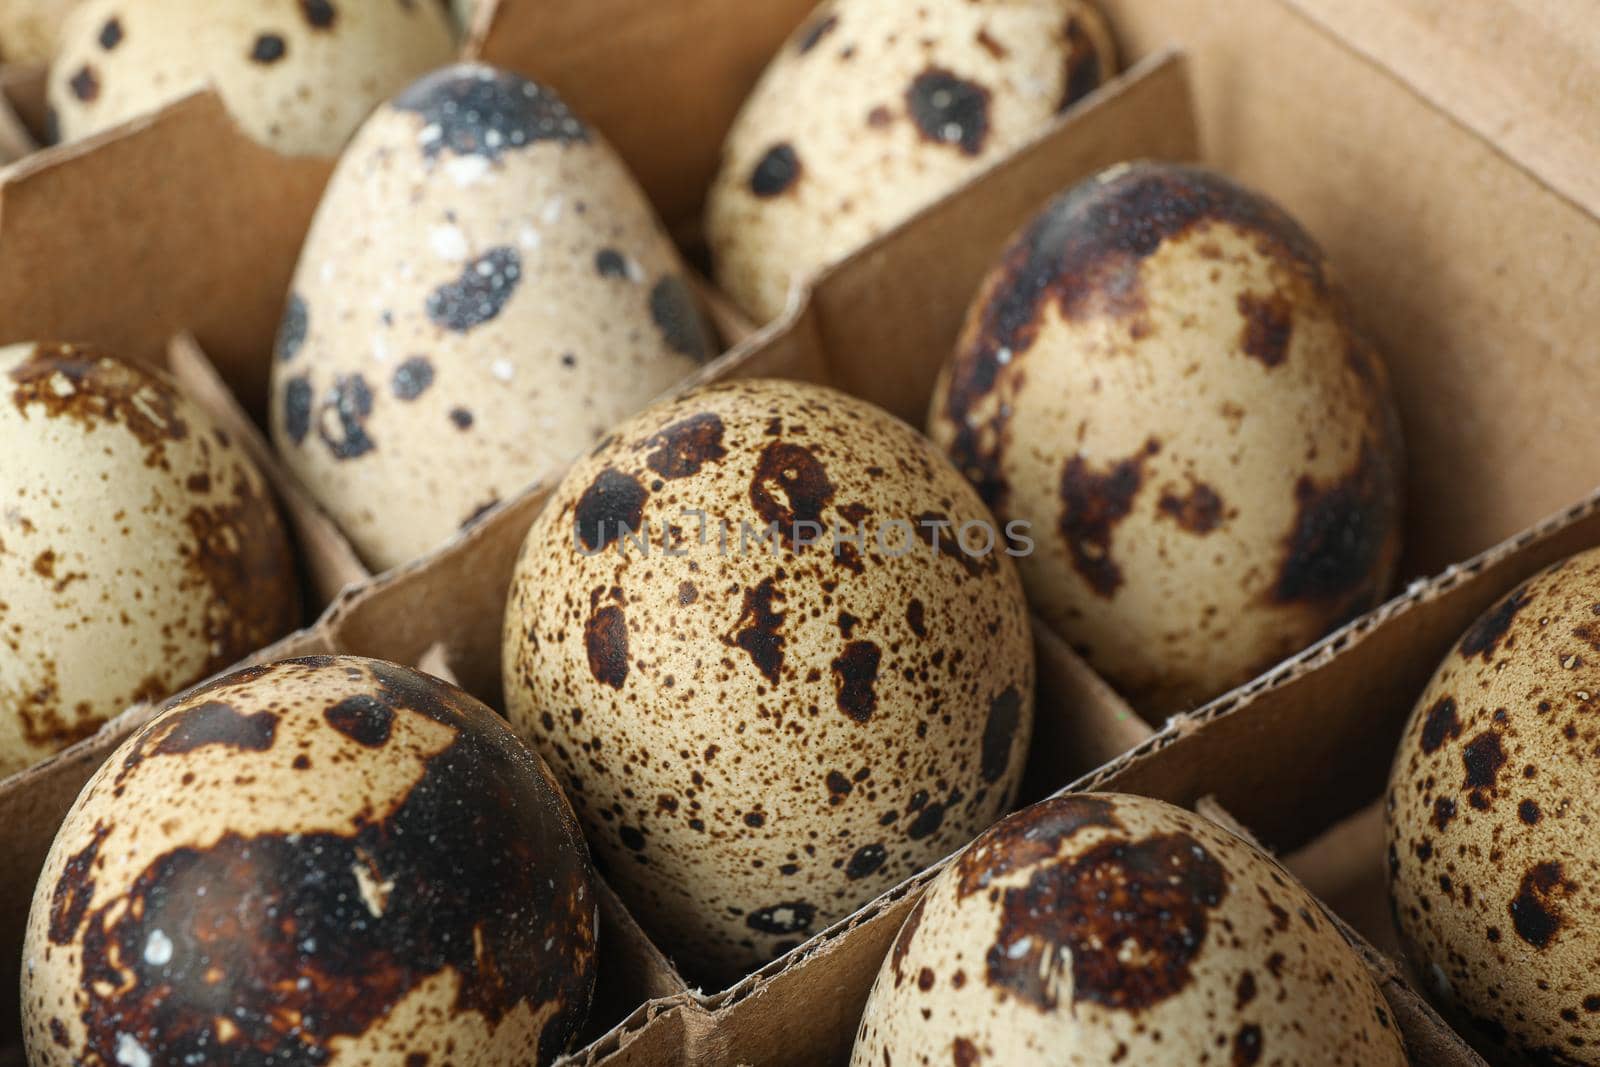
(1161, 379)
(873, 111)
(1494, 794)
(321, 861)
(1103, 928)
(296, 75)
(140, 549)
(805, 692)
(28, 29)
(484, 291)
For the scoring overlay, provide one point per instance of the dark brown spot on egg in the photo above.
(610, 508)
(1244, 992)
(461, 418)
(683, 448)
(866, 860)
(268, 48)
(1199, 511)
(74, 889)
(999, 732)
(1444, 809)
(1440, 725)
(790, 488)
(476, 111)
(363, 719)
(1483, 637)
(605, 637)
(292, 328)
(609, 263)
(1028, 837)
(412, 378)
(758, 631)
(815, 31)
(931, 817)
(1247, 1045)
(1094, 500)
(964, 1053)
(1128, 917)
(1482, 757)
(855, 674)
(1528, 812)
(949, 110)
(1268, 325)
(1534, 911)
(676, 314)
(1083, 64)
(297, 408)
(1342, 533)
(320, 14)
(85, 84)
(209, 723)
(790, 917)
(915, 618)
(478, 295)
(775, 172)
(81, 384)
(478, 872)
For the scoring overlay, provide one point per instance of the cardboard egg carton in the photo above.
(1469, 257)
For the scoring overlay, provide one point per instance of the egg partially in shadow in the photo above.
(324, 860)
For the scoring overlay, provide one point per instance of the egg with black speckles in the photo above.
(805, 674)
(1493, 873)
(1098, 928)
(296, 75)
(871, 112)
(28, 29)
(484, 291)
(324, 860)
(1162, 379)
(140, 548)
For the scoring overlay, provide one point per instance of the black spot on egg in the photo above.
(1440, 724)
(85, 84)
(677, 316)
(342, 418)
(855, 674)
(268, 48)
(480, 111)
(758, 631)
(1535, 911)
(609, 263)
(292, 328)
(949, 110)
(790, 488)
(297, 408)
(319, 14)
(790, 917)
(999, 731)
(412, 378)
(479, 294)
(111, 33)
(363, 719)
(1483, 637)
(776, 171)
(1341, 533)
(610, 508)
(683, 448)
(866, 860)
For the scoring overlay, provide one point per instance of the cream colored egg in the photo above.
(329, 860)
(1102, 928)
(1494, 869)
(484, 291)
(28, 29)
(140, 549)
(874, 110)
(761, 733)
(1161, 378)
(297, 75)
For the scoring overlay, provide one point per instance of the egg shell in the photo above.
(759, 736)
(1161, 378)
(140, 549)
(296, 75)
(1104, 928)
(1493, 869)
(874, 110)
(324, 860)
(28, 29)
(484, 291)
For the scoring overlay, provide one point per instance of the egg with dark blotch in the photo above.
(1162, 379)
(1104, 928)
(329, 860)
(805, 692)
(484, 291)
(1494, 876)
(296, 75)
(140, 548)
(28, 29)
(873, 111)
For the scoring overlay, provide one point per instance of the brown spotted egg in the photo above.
(1162, 380)
(321, 861)
(1103, 928)
(140, 548)
(296, 75)
(1493, 868)
(484, 291)
(28, 29)
(874, 110)
(803, 693)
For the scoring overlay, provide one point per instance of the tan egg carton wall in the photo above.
(1450, 278)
